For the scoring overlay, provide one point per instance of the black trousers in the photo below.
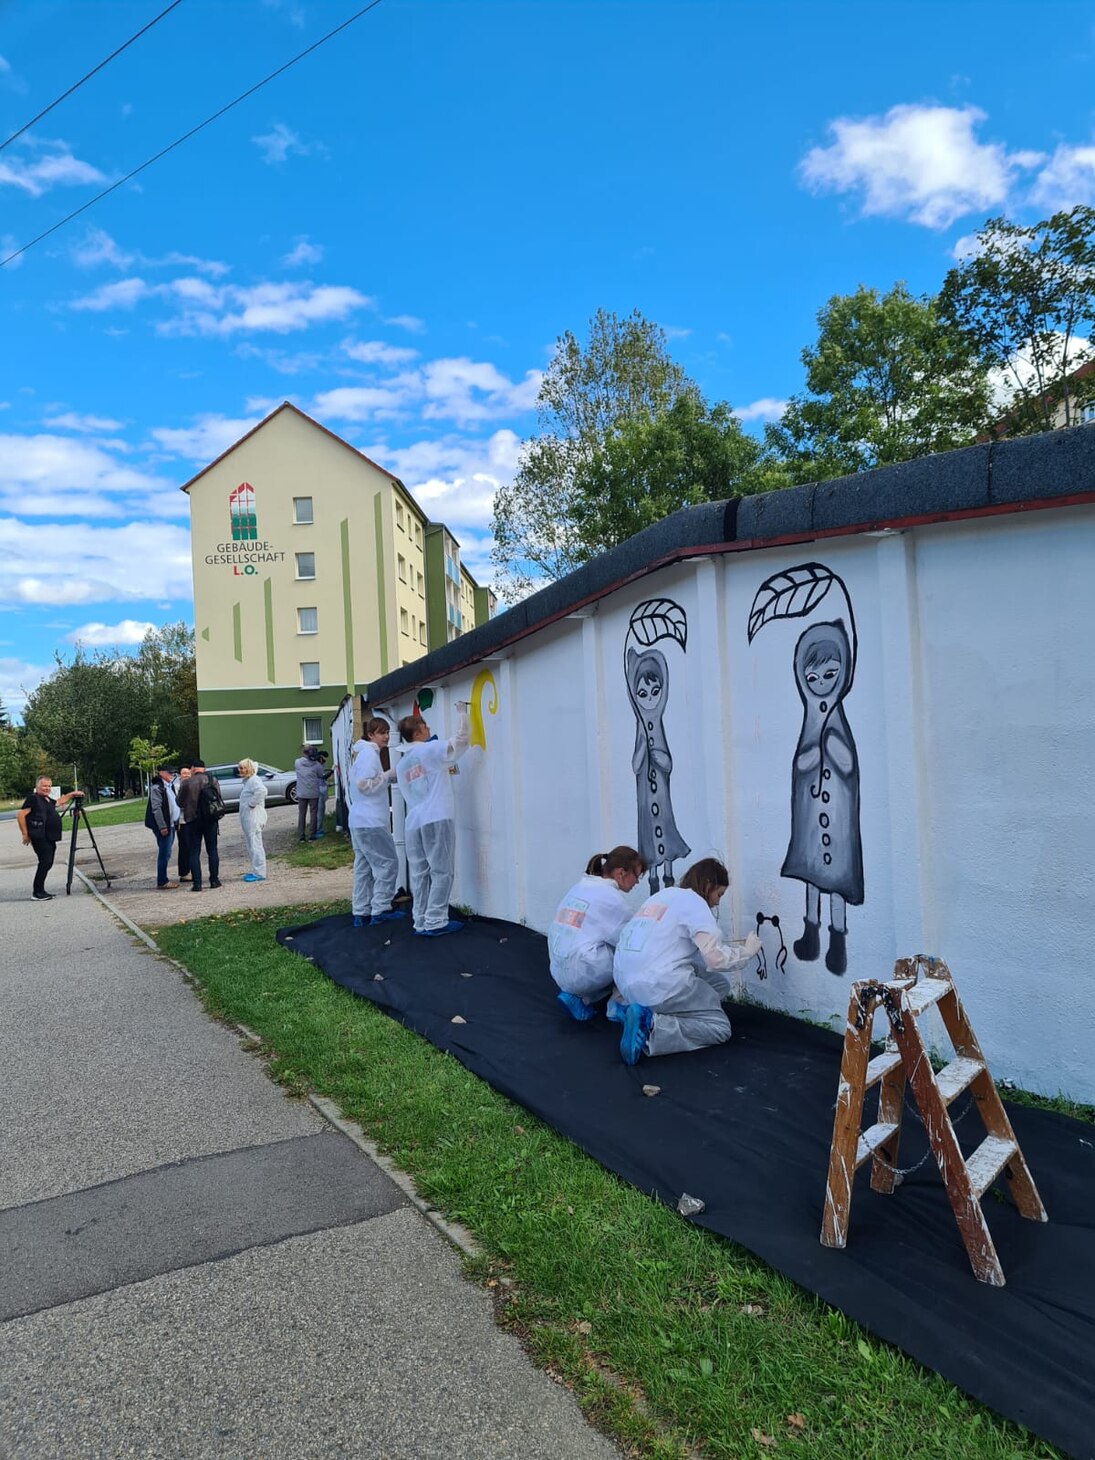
(45, 852)
(207, 834)
(183, 833)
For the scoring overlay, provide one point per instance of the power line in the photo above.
(76, 85)
(187, 135)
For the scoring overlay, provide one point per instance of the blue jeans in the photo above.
(163, 855)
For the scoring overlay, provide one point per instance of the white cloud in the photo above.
(377, 352)
(205, 439)
(767, 408)
(97, 247)
(1068, 178)
(675, 332)
(276, 308)
(8, 244)
(922, 163)
(42, 165)
(106, 564)
(18, 680)
(303, 253)
(122, 294)
(73, 421)
(455, 479)
(460, 390)
(106, 636)
(57, 475)
(297, 362)
(409, 322)
(282, 142)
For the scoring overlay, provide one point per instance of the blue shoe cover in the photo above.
(577, 1008)
(452, 926)
(615, 1011)
(360, 922)
(388, 917)
(638, 1022)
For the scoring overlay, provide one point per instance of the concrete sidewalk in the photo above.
(191, 1264)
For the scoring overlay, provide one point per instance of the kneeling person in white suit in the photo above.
(671, 964)
(424, 780)
(376, 864)
(582, 937)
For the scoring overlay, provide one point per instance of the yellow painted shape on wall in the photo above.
(482, 679)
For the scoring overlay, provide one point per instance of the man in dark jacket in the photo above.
(199, 826)
(161, 816)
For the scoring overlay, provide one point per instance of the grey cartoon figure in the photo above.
(826, 849)
(659, 841)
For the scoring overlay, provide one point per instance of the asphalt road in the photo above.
(193, 1265)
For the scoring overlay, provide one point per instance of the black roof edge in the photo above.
(994, 477)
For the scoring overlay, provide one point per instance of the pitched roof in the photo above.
(288, 406)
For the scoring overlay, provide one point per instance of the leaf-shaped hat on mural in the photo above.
(791, 594)
(659, 618)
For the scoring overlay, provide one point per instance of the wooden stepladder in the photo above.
(918, 984)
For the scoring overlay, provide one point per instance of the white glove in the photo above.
(753, 945)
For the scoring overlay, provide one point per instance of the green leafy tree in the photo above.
(593, 474)
(5, 718)
(86, 713)
(165, 666)
(11, 764)
(146, 755)
(887, 380)
(1025, 300)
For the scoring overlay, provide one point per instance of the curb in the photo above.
(453, 1232)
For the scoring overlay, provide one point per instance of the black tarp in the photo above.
(746, 1127)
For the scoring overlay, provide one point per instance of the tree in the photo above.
(146, 756)
(593, 475)
(1025, 300)
(887, 380)
(86, 712)
(166, 668)
(5, 718)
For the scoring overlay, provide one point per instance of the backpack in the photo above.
(210, 805)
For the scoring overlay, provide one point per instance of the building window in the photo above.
(1087, 414)
(306, 565)
(312, 726)
(404, 622)
(421, 586)
(399, 517)
(309, 674)
(422, 632)
(402, 568)
(307, 620)
(418, 534)
(302, 511)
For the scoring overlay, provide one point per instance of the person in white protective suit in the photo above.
(423, 775)
(671, 967)
(253, 819)
(582, 936)
(376, 865)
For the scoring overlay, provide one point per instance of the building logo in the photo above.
(241, 512)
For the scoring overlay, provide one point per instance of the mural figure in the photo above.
(825, 850)
(647, 674)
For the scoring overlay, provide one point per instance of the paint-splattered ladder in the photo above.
(919, 984)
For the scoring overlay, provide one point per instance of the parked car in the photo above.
(280, 785)
(105, 793)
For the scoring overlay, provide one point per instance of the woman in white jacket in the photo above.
(253, 819)
(582, 937)
(671, 967)
(376, 863)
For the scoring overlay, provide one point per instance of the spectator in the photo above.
(161, 817)
(181, 831)
(309, 790)
(199, 797)
(39, 821)
(253, 819)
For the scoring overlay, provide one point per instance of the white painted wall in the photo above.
(973, 711)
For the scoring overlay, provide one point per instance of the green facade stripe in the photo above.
(268, 609)
(273, 739)
(347, 603)
(205, 635)
(285, 698)
(381, 590)
(237, 634)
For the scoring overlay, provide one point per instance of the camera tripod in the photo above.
(76, 811)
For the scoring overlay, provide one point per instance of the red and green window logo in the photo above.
(241, 510)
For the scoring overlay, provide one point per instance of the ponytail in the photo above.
(619, 859)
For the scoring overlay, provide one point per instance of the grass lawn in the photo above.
(115, 813)
(716, 1352)
(333, 851)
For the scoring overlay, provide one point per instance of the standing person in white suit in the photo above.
(582, 937)
(424, 779)
(671, 964)
(253, 819)
(376, 863)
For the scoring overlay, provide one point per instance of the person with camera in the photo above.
(39, 821)
(202, 806)
(311, 784)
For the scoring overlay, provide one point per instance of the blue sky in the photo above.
(394, 233)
